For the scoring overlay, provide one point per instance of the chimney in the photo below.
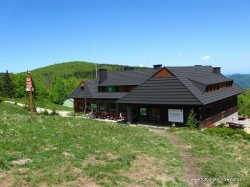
(157, 66)
(103, 74)
(217, 70)
(128, 68)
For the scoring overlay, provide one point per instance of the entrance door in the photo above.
(155, 114)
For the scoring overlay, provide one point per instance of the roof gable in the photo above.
(82, 84)
(164, 72)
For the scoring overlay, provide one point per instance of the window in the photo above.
(218, 86)
(101, 107)
(111, 107)
(143, 111)
(110, 89)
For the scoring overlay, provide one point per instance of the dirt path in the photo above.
(191, 169)
(40, 110)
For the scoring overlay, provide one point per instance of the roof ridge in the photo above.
(141, 83)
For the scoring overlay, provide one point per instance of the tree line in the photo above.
(14, 86)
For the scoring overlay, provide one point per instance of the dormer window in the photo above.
(219, 86)
(82, 85)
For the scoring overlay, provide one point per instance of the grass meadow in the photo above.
(56, 151)
(220, 155)
(53, 151)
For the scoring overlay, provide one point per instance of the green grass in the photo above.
(221, 154)
(244, 103)
(68, 151)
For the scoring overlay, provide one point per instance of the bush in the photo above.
(192, 121)
(1, 100)
(227, 132)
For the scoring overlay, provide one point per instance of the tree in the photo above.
(7, 86)
(19, 82)
(58, 92)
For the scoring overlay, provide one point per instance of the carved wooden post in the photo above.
(30, 89)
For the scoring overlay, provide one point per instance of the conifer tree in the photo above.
(7, 86)
(1, 87)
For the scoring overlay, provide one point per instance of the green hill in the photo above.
(243, 80)
(74, 71)
(77, 70)
(60, 79)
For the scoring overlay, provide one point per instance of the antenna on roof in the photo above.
(94, 53)
(95, 70)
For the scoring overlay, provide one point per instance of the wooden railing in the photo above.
(218, 117)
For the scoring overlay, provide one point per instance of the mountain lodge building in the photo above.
(162, 95)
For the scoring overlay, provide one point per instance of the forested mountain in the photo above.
(69, 71)
(242, 80)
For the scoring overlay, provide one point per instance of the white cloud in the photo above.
(140, 65)
(205, 58)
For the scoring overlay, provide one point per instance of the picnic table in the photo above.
(235, 126)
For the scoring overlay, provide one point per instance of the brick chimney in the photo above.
(217, 70)
(157, 66)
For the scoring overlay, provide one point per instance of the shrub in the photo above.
(45, 112)
(222, 124)
(53, 112)
(192, 121)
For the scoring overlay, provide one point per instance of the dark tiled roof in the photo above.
(91, 91)
(87, 92)
(109, 95)
(210, 97)
(186, 87)
(167, 90)
(204, 75)
(132, 77)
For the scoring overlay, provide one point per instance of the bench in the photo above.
(235, 125)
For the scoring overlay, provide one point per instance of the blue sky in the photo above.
(37, 33)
